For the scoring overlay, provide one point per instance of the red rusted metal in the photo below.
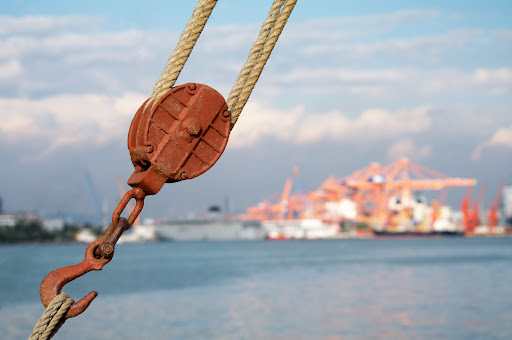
(53, 283)
(179, 137)
(139, 196)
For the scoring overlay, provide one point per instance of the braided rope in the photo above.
(186, 43)
(239, 97)
(255, 52)
(52, 318)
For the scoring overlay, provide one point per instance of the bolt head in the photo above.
(106, 249)
(192, 127)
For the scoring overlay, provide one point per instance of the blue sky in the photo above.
(347, 84)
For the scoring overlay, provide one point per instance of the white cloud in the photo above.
(10, 69)
(398, 48)
(44, 24)
(502, 137)
(343, 75)
(502, 75)
(343, 28)
(68, 119)
(396, 83)
(407, 148)
(393, 18)
(326, 58)
(67, 43)
(504, 36)
(297, 126)
(497, 81)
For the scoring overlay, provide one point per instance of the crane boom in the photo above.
(94, 195)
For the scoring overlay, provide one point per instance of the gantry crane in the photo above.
(471, 212)
(492, 216)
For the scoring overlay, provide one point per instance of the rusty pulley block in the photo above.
(179, 137)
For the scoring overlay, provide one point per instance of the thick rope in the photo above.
(254, 65)
(255, 52)
(186, 43)
(52, 318)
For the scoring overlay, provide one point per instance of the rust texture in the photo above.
(52, 284)
(139, 196)
(180, 137)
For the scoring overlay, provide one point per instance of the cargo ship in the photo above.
(405, 234)
(507, 205)
(212, 227)
(209, 230)
(305, 229)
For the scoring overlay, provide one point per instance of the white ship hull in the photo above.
(210, 230)
(309, 229)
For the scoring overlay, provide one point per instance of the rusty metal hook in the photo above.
(97, 255)
(54, 282)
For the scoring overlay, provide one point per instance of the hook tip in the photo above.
(79, 307)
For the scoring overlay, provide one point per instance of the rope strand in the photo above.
(238, 98)
(186, 43)
(52, 318)
(255, 52)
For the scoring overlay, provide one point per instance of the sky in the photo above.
(348, 83)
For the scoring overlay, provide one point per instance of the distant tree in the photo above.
(33, 231)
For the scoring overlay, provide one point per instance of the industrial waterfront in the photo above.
(376, 201)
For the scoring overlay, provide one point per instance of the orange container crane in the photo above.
(365, 188)
(329, 191)
(436, 207)
(464, 207)
(297, 204)
(492, 216)
(379, 184)
(472, 213)
(284, 203)
(288, 206)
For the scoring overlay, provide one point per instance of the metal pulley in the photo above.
(179, 137)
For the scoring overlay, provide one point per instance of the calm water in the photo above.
(350, 289)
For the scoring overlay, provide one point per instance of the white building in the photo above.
(8, 220)
(53, 224)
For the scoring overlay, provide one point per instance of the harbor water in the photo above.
(446, 288)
